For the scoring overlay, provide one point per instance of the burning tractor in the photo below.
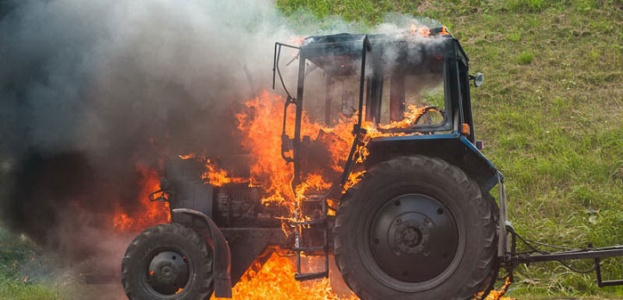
(408, 212)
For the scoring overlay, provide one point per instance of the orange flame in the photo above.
(217, 176)
(263, 139)
(353, 178)
(187, 156)
(275, 281)
(410, 115)
(296, 40)
(147, 213)
(422, 31)
(497, 295)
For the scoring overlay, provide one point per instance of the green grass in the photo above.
(525, 58)
(18, 256)
(550, 114)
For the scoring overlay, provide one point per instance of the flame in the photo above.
(410, 116)
(275, 281)
(187, 156)
(147, 213)
(497, 295)
(263, 138)
(422, 31)
(353, 178)
(296, 40)
(314, 182)
(217, 176)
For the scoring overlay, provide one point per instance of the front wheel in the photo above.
(167, 261)
(415, 228)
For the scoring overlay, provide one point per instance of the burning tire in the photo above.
(167, 261)
(415, 228)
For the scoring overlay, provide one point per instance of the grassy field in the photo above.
(550, 114)
(18, 256)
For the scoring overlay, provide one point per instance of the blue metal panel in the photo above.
(453, 148)
(444, 136)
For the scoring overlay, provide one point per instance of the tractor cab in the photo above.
(397, 73)
(402, 90)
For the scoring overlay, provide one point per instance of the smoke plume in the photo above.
(89, 89)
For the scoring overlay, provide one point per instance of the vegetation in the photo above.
(24, 274)
(550, 114)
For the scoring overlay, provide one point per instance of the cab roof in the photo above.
(341, 53)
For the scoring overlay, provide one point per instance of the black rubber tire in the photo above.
(471, 266)
(162, 238)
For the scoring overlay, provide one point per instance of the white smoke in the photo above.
(90, 88)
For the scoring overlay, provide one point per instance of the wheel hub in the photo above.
(410, 237)
(168, 272)
(413, 238)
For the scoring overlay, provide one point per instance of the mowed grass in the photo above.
(550, 114)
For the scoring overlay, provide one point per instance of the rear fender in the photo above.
(453, 148)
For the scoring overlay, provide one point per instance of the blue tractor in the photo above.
(420, 223)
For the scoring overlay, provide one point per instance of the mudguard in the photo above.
(453, 148)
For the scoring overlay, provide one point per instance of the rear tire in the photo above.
(167, 261)
(415, 228)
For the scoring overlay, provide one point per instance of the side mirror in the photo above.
(478, 79)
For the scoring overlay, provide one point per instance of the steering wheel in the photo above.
(425, 112)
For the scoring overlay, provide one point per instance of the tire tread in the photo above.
(203, 291)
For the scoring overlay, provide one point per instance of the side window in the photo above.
(465, 97)
(463, 80)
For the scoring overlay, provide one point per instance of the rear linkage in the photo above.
(510, 258)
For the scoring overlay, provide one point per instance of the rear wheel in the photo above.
(415, 228)
(167, 261)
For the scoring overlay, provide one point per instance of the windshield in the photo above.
(417, 100)
(407, 90)
(330, 98)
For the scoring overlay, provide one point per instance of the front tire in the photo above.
(167, 261)
(415, 228)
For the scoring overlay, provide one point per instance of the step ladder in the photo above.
(299, 223)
